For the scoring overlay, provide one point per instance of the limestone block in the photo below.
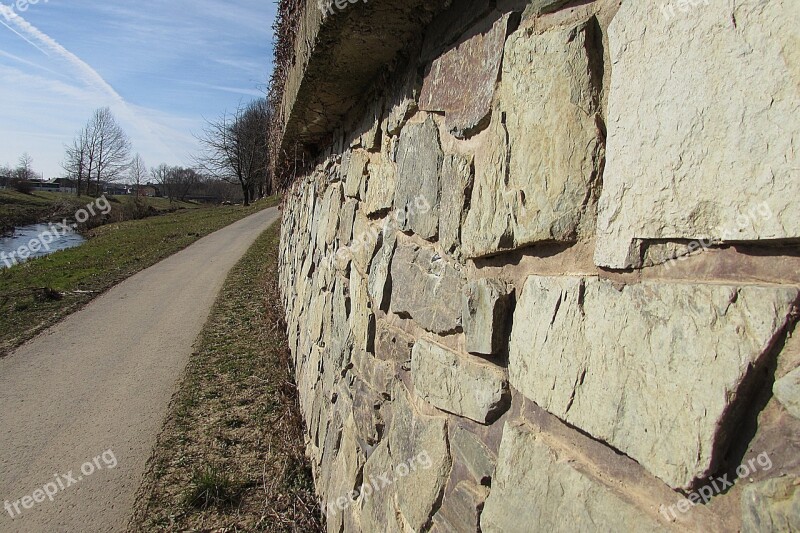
(356, 172)
(380, 289)
(461, 81)
(702, 130)
(470, 451)
(393, 344)
(419, 163)
(426, 287)
(536, 490)
(362, 319)
(772, 505)
(381, 185)
(461, 509)
(487, 304)
(537, 167)
(422, 438)
(652, 368)
(458, 175)
(787, 391)
(457, 383)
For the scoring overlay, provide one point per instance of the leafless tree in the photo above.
(137, 173)
(100, 152)
(235, 149)
(176, 182)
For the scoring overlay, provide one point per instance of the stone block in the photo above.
(652, 369)
(461, 509)
(380, 289)
(458, 175)
(355, 176)
(487, 307)
(417, 192)
(536, 490)
(787, 391)
(426, 287)
(717, 161)
(461, 81)
(393, 344)
(458, 383)
(772, 505)
(537, 167)
(469, 450)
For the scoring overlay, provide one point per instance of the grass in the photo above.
(36, 294)
(230, 456)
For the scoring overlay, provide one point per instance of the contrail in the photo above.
(5, 14)
(89, 75)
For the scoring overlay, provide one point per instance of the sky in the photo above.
(163, 68)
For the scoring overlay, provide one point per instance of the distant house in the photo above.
(117, 190)
(65, 185)
(148, 191)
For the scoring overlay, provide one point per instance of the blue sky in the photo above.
(161, 66)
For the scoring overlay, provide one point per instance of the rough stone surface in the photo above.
(534, 489)
(379, 280)
(461, 81)
(426, 287)
(487, 305)
(458, 175)
(461, 508)
(393, 344)
(606, 360)
(417, 193)
(381, 185)
(671, 151)
(772, 505)
(535, 174)
(356, 169)
(411, 435)
(787, 391)
(458, 384)
(468, 450)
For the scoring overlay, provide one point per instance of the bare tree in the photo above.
(235, 149)
(24, 170)
(101, 151)
(137, 173)
(161, 174)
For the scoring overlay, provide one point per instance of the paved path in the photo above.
(102, 380)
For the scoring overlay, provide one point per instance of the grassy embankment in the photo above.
(17, 209)
(36, 294)
(230, 456)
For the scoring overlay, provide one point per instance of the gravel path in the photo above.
(81, 405)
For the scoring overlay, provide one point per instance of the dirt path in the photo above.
(80, 405)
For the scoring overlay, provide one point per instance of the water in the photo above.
(43, 234)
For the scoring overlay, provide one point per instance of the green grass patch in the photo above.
(231, 455)
(36, 294)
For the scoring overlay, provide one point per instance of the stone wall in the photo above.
(544, 275)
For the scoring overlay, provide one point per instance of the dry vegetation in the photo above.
(231, 454)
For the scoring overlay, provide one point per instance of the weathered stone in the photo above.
(787, 391)
(419, 163)
(355, 173)
(537, 167)
(366, 412)
(772, 505)
(462, 508)
(345, 470)
(487, 305)
(380, 375)
(362, 319)
(327, 222)
(423, 439)
(535, 490)
(393, 344)
(427, 288)
(380, 186)
(458, 384)
(652, 369)
(347, 217)
(673, 151)
(470, 451)
(366, 238)
(403, 101)
(379, 283)
(377, 505)
(461, 81)
(458, 174)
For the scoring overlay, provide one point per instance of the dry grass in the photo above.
(231, 454)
